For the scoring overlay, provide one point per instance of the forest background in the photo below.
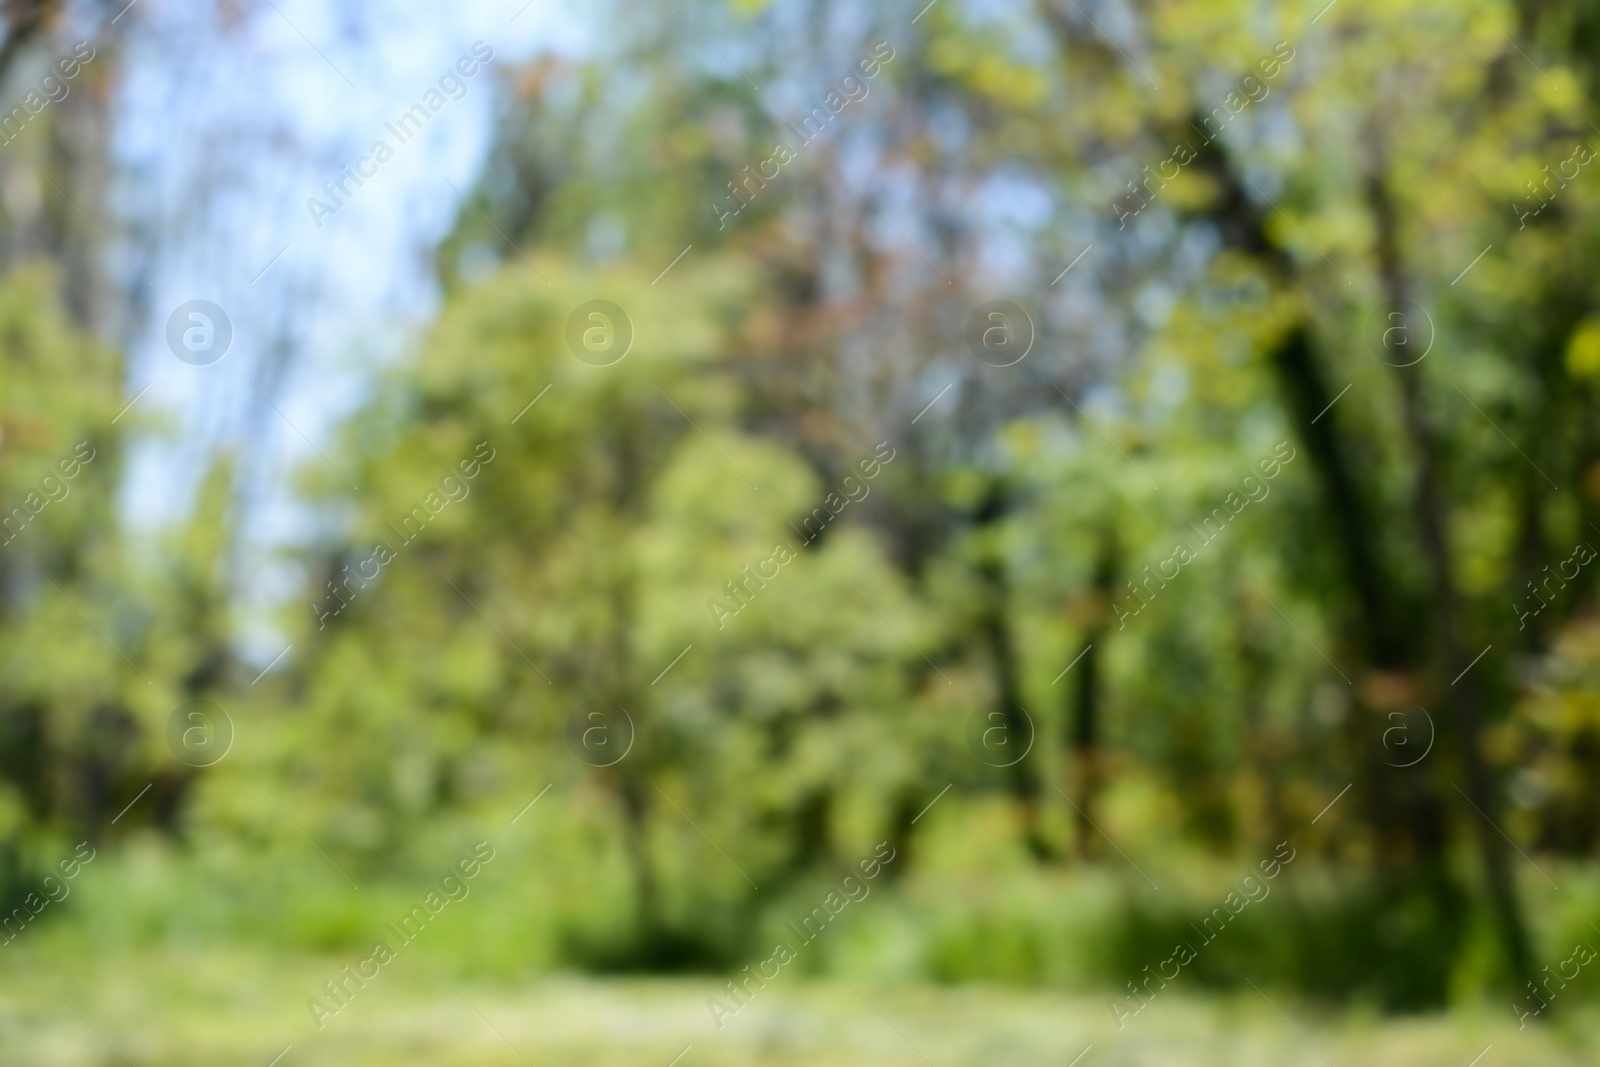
(1074, 456)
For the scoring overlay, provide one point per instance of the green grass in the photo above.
(228, 1006)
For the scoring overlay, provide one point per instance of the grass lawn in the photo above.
(77, 1006)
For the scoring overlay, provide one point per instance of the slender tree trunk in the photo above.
(1084, 728)
(632, 773)
(995, 627)
(636, 826)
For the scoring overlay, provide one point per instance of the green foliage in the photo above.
(816, 711)
(63, 692)
(689, 535)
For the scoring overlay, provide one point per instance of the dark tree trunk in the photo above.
(1084, 727)
(1462, 697)
(995, 629)
(1405, 645)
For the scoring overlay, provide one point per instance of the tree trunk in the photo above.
(1461, 697)
(994, 625)
(1084, 727)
